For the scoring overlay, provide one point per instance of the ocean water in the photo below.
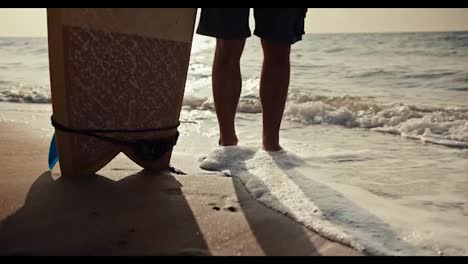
(375, 132)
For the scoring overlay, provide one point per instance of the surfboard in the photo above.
(117, 80)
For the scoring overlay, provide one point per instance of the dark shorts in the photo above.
(284, 25)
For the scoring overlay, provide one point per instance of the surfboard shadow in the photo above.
(142, 214)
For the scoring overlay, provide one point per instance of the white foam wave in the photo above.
(271, 178)
(439, 125)
(24, 94)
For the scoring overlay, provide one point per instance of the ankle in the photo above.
(271, 143)
(274, 147)
(228, 141)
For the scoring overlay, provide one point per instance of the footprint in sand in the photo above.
(229, 205)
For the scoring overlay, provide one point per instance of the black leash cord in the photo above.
(90, 132)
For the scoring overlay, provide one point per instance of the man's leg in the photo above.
(278, 28)
(230, 27)
(274, 85)
(227, 85)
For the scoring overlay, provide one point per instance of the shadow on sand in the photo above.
(142, 214)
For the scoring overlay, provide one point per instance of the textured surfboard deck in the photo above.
(116, 69)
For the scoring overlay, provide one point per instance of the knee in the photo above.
(276, 54)
(228, 52)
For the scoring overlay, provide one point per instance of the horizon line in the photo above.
(312, 33)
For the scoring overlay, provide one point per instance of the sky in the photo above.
(32, 22)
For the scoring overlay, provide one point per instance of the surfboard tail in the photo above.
(140, 85)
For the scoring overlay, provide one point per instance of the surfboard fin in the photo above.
(53, 154)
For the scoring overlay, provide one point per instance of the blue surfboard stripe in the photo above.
(53, 154)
